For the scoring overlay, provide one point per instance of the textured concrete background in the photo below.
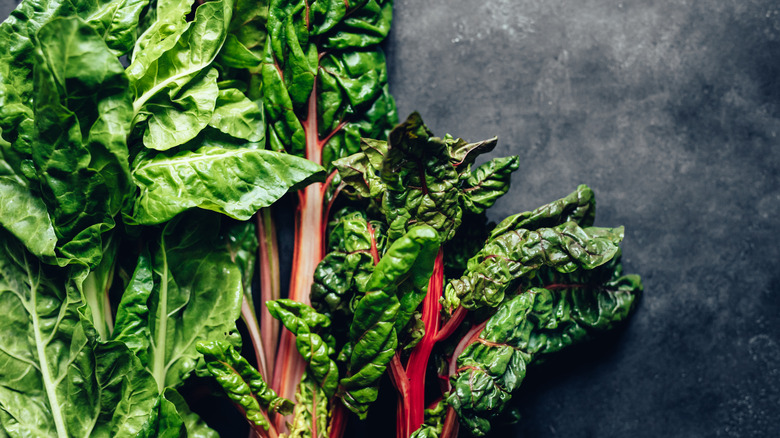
(670, 111)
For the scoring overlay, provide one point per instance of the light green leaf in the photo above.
(56, 379)
(238, 116)
(235, 182)
(195, 297)
(170, 87)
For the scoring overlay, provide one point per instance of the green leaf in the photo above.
(394, 290)
(235, 182)
(488, 182)
(361, 171)
(434, 421)
(82, 115)
(242, 244)
(195, 297)
(173, 87)
(579, 207)
(326, 51)
(25, 216)
(238, 116)
(117, 22)
(311, 339)
(310, 416)
(532, 324)
(247, 34)
(342, 274)
(508, 257)
(172, 418)
(242, 383)
(56, 379)
(423, 184)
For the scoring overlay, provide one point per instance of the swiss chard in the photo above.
(142, 144)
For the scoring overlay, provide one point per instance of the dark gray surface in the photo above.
(670, 111)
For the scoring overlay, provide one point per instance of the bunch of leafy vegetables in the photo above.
(142, 145)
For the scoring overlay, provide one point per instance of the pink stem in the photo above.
(418, 360)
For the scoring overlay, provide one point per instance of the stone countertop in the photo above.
(670, 111)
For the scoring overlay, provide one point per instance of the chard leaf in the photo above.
(82, 114)
(195, 297)
(235, 182)
(56, 378)
(25, 216)
(579, 207)
(238, 116)
(463, 154)
(394, 290)
(116, 20)
(172, 418)
(309, 327)
(532, 324)
(167, 76)
(310, 416)
(242, 244)
(349, 84)
(487, 183)
(361, 171)
(247, 34)
(515, 254)
(422, 184)
(434, 421)
(343, 273)
(242, 383)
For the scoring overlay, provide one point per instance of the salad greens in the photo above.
(143, 144)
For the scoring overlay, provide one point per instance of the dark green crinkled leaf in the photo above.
(530, 325)
(422, 184)
(434, 421)
(515, 254)
(313, 342)
(463, 154)
(242, 383)
(343, 273)
(235, 182)
(394, 290)
(579, 207)
(174, 90)
(57, 379)
(361, 171)
(487, 183)
(352, 99)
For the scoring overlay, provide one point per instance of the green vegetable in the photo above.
(534, 323)
(242, 382)
(57, 378)
(394, 290)
(135, 220)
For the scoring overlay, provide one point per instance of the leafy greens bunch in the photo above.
(142, 145)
